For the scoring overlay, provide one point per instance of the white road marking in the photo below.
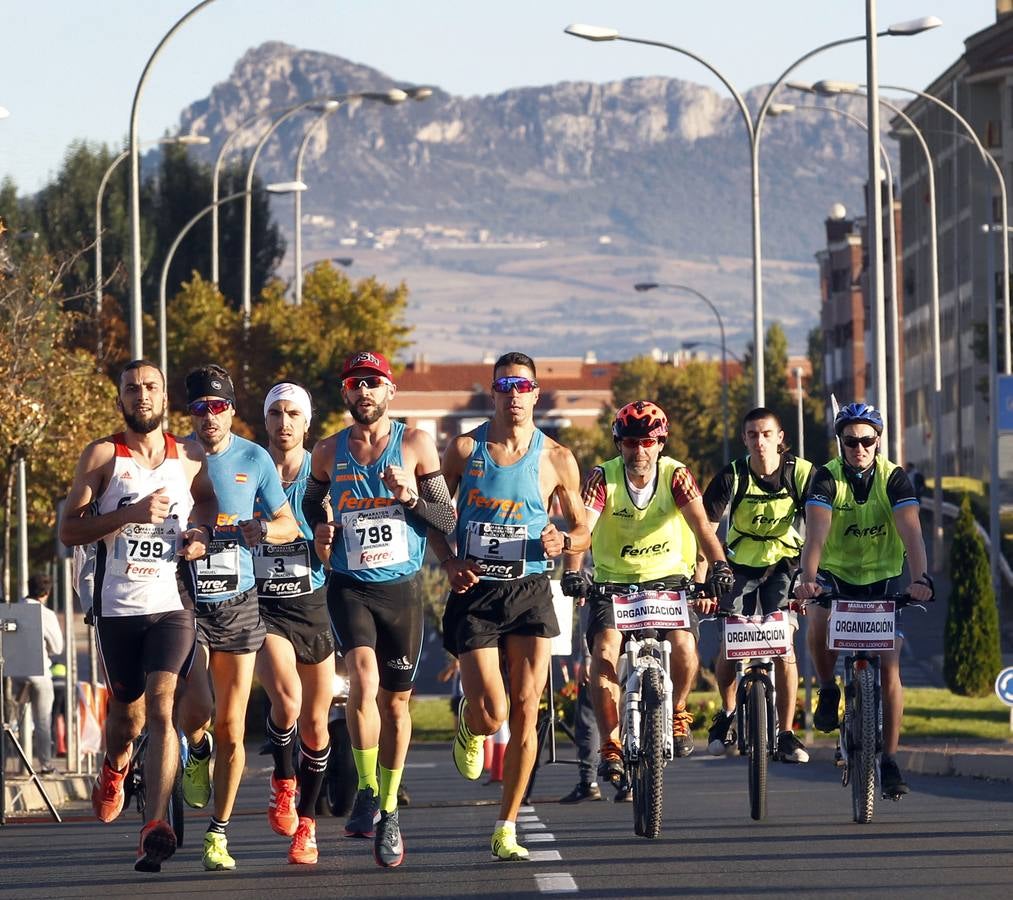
(527, 819)
(533, 826)
(542, 837)
(544, 856)
(526, 809)
(556, 883)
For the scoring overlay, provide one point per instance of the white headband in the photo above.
(294, 394)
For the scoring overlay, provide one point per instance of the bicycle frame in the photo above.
(644, 651)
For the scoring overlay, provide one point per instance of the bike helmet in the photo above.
(858, 412)
(640, 419)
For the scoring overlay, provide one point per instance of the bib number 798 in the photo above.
(375, 534)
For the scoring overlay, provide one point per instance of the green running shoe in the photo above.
(505, 846)
(216, 853)
(467, 747)
(197, 779)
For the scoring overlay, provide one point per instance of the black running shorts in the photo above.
(303, 622)
(490, 610)
(384, 615)
(132, 647)
(767, 584)
(231, 626)
(600, 617)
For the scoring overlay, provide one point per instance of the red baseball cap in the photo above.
(367, 361)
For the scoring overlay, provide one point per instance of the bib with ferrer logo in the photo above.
(632, 545)
(863, 545)
(135, 567)
(377, 542)
(289, 570)
(500, 513)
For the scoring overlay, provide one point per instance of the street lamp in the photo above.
(283, 187)
(754, 129)
(644, 286)
(799, 409)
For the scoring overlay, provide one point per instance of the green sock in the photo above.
(365, 765)
(390, 781)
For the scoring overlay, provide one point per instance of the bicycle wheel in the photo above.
(757, 745)
(649, 783)
(860, 711)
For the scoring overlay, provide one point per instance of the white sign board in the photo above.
(562, 643)
(664, 610)
(22, 644)
(862, 625)
(750, 636)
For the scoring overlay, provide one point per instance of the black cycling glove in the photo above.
(574, 584)
(722, 578)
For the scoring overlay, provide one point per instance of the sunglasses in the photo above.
(634, 443)
(370, 382)
(201, 408)
(514, 382)
(868, 440)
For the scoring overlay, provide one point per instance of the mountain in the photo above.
(646, 178)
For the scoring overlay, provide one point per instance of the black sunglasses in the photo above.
(868, 440)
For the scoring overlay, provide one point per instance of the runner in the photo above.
(296, 663)
(506, 474)
(229, 628)
(385, 491)
(133, 495)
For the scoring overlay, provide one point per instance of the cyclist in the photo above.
(506, 473)
(296, 662)
(647, 520)
(229, 628)
(861, 523)
(132, 495)
(764, 493)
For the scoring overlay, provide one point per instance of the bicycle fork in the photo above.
(634, 682)
(850, 664)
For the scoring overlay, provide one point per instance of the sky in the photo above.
(70, 67)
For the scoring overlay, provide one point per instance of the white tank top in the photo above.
(135, 567)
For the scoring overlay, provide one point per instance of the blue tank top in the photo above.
(500, 513)
(289, 570)
(376, 541)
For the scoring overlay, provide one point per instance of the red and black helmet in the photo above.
(640, 419)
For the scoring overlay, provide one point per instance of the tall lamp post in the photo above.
(644, 286)
(754, 130)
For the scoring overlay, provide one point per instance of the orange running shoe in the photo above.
(682, 732)
(611, 768)
(304, 844)
(107, 794)
(281, 814)
(158, 843)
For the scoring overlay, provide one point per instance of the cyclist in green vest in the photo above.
(766, 492)
(647, 519)
(861, 523)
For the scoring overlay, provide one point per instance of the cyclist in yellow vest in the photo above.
(766, 491)
(861, 523)
(647, 519)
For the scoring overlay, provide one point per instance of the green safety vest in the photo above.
(863, 545)
(761, 525)
(632, 545)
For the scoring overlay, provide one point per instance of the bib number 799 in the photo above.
(145, 549)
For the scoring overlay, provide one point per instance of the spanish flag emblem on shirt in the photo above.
(241, 478)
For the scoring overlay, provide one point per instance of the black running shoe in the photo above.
(582, 792)
(721, 735)
(825, 718)
(362, 821)
(388, 848)
(624, 791)
(790, 749)
(894, 786)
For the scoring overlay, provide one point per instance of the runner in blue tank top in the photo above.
(506, 474)
(386, 490)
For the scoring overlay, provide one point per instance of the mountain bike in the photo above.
(135, 789)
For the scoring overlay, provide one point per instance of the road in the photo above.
(951, 837)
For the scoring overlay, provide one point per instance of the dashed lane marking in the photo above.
(544, 856)
(541, 837)
(556, 883)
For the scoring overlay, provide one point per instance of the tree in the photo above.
(972, 656)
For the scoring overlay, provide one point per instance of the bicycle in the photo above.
(135, 789)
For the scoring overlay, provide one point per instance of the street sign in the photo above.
(1004, 686)
(1004, 416)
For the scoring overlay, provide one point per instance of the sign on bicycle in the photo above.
(862, 625)
(663, 610)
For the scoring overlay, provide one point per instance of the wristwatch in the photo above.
(566, 541)
(263, 529)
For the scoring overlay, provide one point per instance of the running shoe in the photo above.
(682, 732)
(304, 843)
(467, 747)
(157, 844)
(107, 794)
(362, 821)
(721, 734)
(281, 814)
(583, 791)
(894, 786)
(388, 848)
(505, 846)
(790, 749)
(611, 767)
(825, 717)
(216, 853)
(197, 778)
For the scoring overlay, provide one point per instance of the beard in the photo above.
(368, 416)
(141, 424)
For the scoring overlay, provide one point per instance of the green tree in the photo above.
(972, 656)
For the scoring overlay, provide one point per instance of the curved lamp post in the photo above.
(754, 128)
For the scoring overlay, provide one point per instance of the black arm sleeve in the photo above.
(434, 505)
(313, 508)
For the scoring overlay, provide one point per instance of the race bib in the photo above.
(145, 552)
(750, 636)
(498, 549)
(282, 570)
(862, 625)
(218, 572)
(375, 538)
(664, 610)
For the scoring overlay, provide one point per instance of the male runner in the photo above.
(506, 474)
(296, 662)
(647, 520)
(861, 523)
(229, 628)
(133, 495)
(385, 491)
(766, 491)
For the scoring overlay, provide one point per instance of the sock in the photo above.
(312, 771)
(365, 765)
(390, 780)
(730, 712)
(282, 742)
(507, 824)
(202, 749)
(217, 826)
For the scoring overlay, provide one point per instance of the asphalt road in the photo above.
(951, 837)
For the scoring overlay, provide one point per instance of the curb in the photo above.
(994, 763)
